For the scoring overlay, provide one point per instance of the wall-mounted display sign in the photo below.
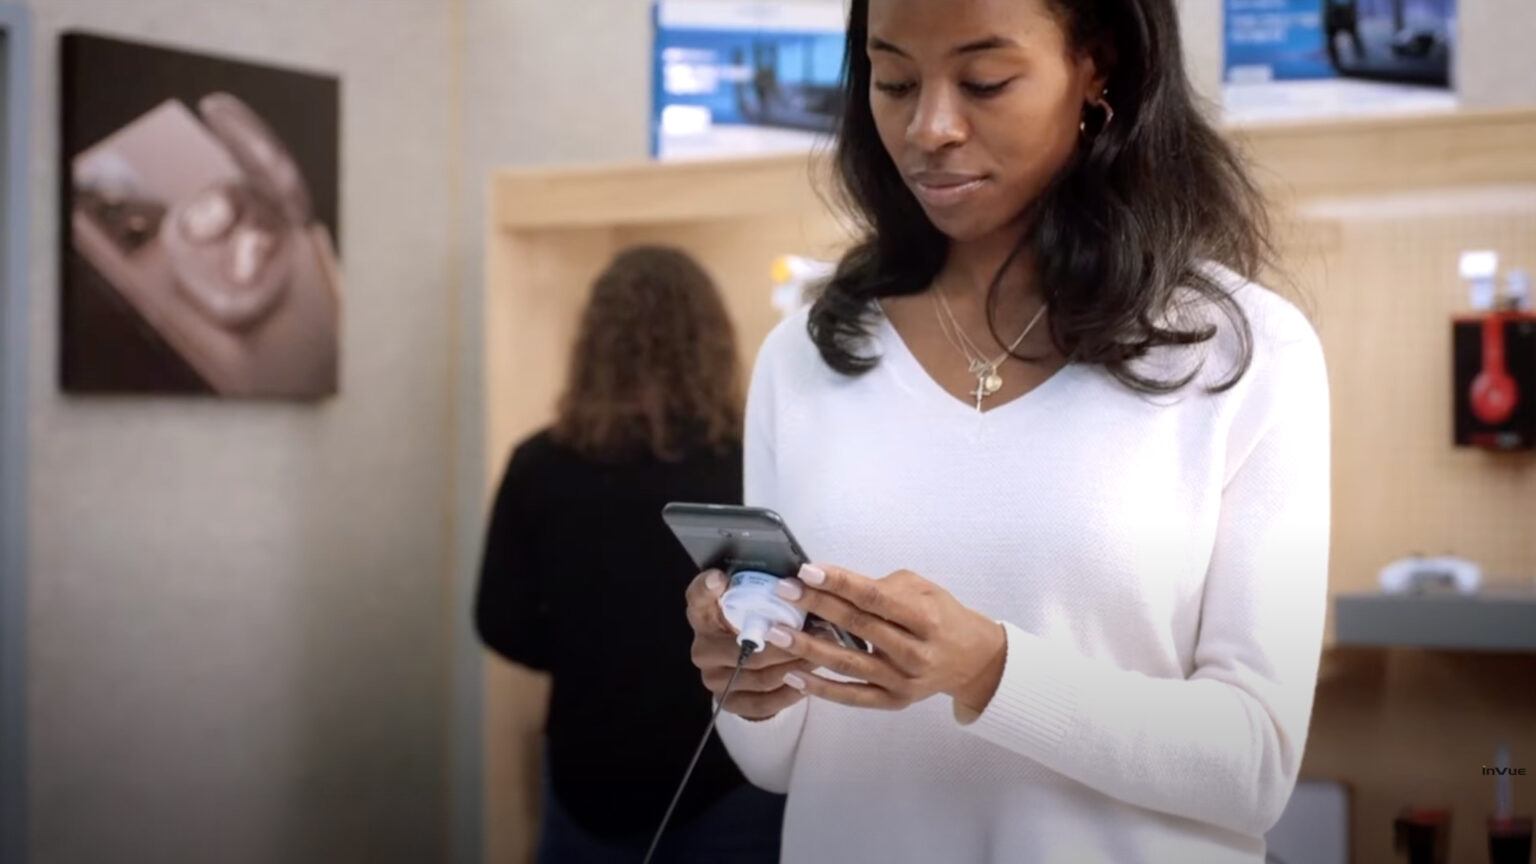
(734, 78)
(1395, 40)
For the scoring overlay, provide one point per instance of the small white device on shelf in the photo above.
(794, 278)
(1427, 573)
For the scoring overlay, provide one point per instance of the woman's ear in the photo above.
(1097, 63)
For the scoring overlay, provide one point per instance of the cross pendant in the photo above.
(980, 392)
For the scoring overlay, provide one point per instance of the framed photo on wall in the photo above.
(200, 236)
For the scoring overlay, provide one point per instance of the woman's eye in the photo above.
(985, 89)
(895, 88)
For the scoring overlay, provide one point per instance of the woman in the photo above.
(581, 576)
(1086, 459)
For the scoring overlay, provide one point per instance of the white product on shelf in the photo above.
(1517, 290)
(1418, 573)
(1480, 270)
(793, 276)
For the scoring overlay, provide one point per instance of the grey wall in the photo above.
(15, 65)
(239, 646)
(1200, 24)
(1496, 63)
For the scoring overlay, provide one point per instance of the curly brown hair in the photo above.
(655, 366)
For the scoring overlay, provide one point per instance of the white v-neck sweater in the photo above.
(1159, 565)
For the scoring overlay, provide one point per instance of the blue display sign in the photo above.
(1399, 40)
(1271, 40)
(744, 76)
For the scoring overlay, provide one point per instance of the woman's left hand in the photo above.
(925, 641)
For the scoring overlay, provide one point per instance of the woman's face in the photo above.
(978, 103)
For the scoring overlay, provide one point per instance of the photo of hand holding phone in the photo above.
(202, 205)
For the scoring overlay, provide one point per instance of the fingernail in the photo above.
(780, 637)
(812, 575)
(789, 589)
(795, 681)
(714, 581)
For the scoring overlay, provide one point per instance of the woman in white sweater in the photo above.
(1060, 462)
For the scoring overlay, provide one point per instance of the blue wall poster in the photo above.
(1409, 41)
(734, 78)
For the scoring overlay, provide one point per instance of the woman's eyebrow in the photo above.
(991, 43)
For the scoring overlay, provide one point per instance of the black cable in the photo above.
(747, 650)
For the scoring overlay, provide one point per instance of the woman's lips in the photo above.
(940, 189)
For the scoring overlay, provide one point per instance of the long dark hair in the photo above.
(1115, 239)
(654, 369)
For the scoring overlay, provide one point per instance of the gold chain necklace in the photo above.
(988, 379)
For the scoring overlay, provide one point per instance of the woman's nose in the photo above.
(939, 121)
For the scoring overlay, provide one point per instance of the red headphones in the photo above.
(1495, 393)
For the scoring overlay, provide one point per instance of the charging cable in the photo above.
(748, 648)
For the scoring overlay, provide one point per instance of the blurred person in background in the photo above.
(581, 577)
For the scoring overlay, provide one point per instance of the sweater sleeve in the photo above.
(764, 750)
(1223, 746)
(511, 611)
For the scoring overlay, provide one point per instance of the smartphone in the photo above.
(731, 538)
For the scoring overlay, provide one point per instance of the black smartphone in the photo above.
(732, 538)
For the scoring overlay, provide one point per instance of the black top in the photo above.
(582, 579)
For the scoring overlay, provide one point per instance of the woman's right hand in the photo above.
(760, 691)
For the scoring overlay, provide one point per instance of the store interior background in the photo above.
(246, 623)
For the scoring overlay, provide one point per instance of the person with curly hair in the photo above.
(577, 553)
